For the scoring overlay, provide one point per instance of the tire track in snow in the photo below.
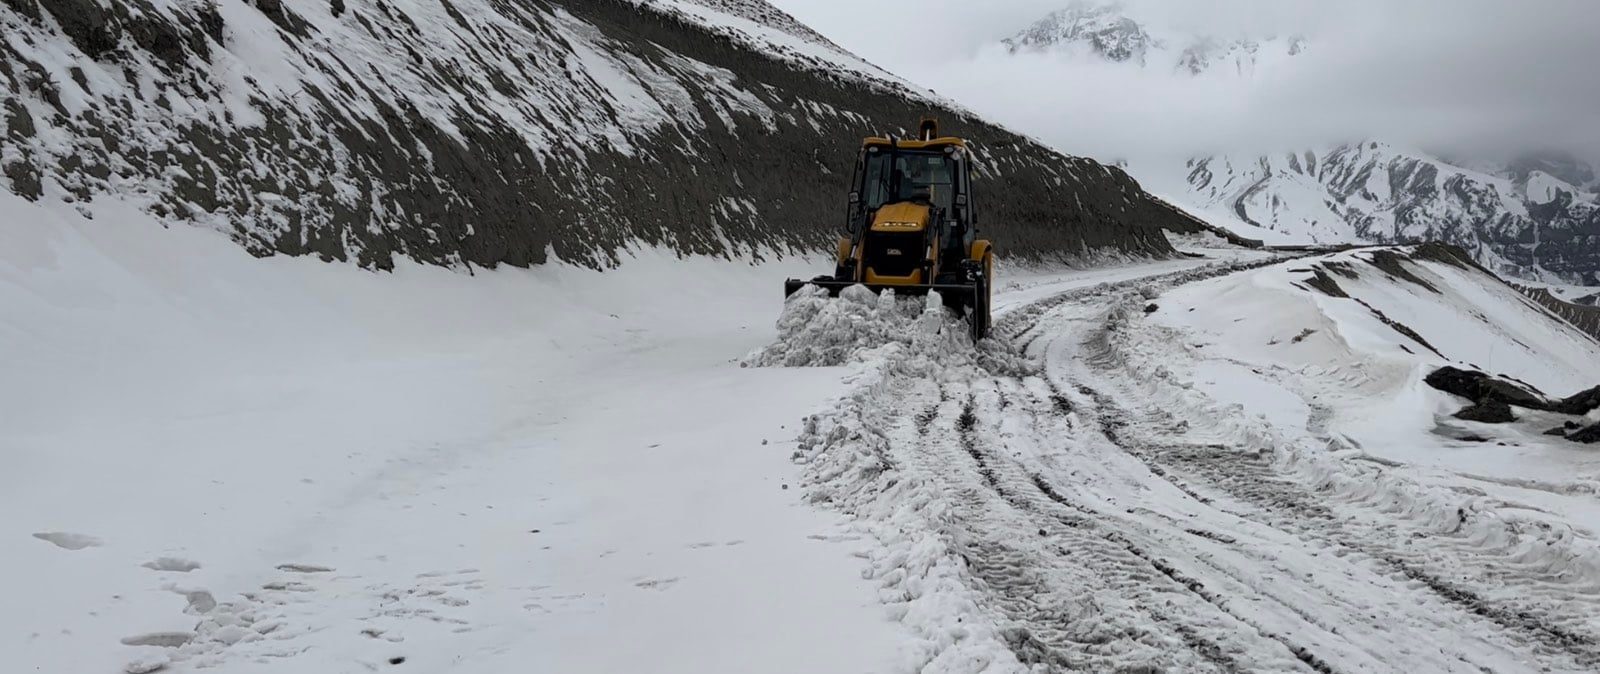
(1279, 501)
(1038, 486)
(1096, 520)
(1079, 537)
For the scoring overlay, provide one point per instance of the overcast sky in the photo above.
(1466, 76)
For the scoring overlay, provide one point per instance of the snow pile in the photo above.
(816, 330)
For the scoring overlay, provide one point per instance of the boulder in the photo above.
(1580, 404)
(1488, 412)
(1587, 436)
(1481, 388)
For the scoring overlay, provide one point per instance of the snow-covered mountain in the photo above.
(1127, 33)
(1518, 219)
(482, 132)
(1534, 217)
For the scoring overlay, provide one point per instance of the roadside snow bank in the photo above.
(816, 330)
(893, 345)
(922, 578)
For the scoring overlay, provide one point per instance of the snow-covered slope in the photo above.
(1532, 225)
(482, 132)
(1353, 335)
(1136, 33)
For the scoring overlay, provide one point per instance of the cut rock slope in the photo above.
(480, 132)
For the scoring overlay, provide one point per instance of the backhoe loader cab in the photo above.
(911, 225)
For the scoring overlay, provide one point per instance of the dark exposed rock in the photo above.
(1394, 264)
(24, 179)
(286, 19)
(1580, 403)
(1325, 283)
(1341, 268)
(1399, 327)
(1490, 412)
(1583, 317)
(1557, 431)
(27, 8)
(1587, 436)
(1151, 308)
(89, 25)
(19, 122)
(1482, 388)
(1448, 254)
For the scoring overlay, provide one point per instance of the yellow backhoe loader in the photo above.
(912, 226)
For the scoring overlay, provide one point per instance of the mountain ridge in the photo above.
(1114, 32)
(1534, 216)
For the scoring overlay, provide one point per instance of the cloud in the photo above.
(1478, 77)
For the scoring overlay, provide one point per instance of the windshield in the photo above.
(913, 174)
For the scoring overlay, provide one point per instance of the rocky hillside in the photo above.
(1518, 220)
(484, 132)
(1123, 33)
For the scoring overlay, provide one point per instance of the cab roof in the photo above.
(912, 144)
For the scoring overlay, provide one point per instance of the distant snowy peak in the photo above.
(1099, 29)
(1238, 56)
(1526, 223)
(1116, 32)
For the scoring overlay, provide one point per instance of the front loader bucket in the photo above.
(953, 293)
(967, 300)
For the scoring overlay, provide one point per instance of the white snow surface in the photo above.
(1361, 380)
(1199, 464)
(1164, 473)
(281, 465)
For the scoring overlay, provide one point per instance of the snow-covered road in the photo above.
(1075, 501)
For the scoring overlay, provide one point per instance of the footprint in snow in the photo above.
(657, 583)
(304, 568)
(144, 664)
(70, 541)
(162, 639)
(178, 564)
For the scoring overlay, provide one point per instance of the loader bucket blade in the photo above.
(950, 292)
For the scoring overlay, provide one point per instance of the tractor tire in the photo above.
(978, 315)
